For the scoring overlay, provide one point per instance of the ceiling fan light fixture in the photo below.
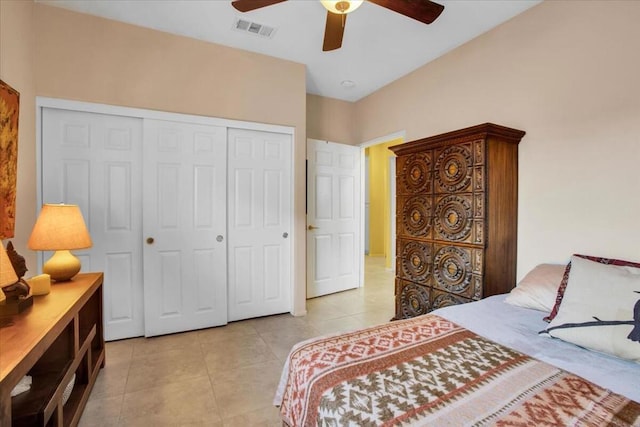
(341, 7)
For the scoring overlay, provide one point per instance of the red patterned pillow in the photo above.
(565, 278)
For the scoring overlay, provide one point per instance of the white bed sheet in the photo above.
(518, 328)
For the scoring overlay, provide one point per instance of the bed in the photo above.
(481, 363)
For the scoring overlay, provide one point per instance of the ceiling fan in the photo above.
(424, 11)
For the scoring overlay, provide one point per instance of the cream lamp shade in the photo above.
(341, 7)
(7, 273)
(60, 228)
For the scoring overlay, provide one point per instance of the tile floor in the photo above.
(224, 376)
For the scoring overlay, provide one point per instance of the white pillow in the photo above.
(601, 309)
(538, 289)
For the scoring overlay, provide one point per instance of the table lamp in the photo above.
(60, 228)
(7, 274)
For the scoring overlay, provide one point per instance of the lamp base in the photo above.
(62, 266)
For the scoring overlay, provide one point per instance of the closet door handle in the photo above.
(311, 227)
(219, 238)
(285, 234)
(150, 240)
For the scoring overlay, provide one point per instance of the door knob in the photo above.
(150, 240)
(219, 238)
(285, 234)
(311, 227)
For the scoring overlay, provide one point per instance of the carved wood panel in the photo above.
(478, 152)
(478, 179)
(455, 270)
(412, 299)
(453, 218)
(414, 260)
(441, 299)
(478, 205)
(453, 169)
(414, 173)
(414, 216)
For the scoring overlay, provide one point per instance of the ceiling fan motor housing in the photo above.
(342, 6)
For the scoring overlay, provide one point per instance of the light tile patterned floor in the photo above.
(224, 376)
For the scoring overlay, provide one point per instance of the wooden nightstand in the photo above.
(61, 335)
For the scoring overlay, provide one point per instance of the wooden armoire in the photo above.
(457, 208)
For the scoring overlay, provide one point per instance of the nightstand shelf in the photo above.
(59, 337)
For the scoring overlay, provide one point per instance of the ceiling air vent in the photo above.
(254, 28)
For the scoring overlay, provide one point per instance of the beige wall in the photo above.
(90, 59)
(87, 58)
(16, 69)
(567, 74)
(330, 119)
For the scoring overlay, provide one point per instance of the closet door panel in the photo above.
(170, 284)
(118, 187)
(206, 298)
(205, 193)
(259, 194)
(243, 195)
(184, 212)
(273, 215)
(93, 160)
(76, 179)
(121, 306)
(168, 191)
(273, 259)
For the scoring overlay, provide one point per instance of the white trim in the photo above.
(363, 176)
(115, 110)
(399, 134)
(392, 210)
(39, 254)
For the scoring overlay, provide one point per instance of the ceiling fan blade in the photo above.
(424, 11)
(248, 5)
(333, 31)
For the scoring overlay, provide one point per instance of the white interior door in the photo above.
(259, 194)
(93, 160)
(184, 217)
(333, 217)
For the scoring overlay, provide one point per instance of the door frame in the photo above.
(392, 238)
(115, 110)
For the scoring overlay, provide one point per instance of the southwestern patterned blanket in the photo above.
(430, 371)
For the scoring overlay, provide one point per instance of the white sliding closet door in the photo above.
(190, 222)
(93, 160)
(184, 217)
(259, 195)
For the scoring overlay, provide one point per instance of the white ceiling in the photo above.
(378, 47)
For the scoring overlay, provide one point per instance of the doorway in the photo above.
(379, 199)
